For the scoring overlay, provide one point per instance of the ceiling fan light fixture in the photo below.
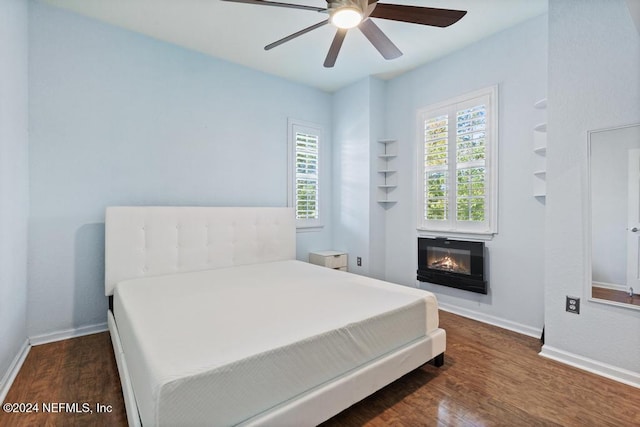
(346, 17)
(347, 14)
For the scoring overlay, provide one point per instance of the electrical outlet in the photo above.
(572, 305)
(359, 261)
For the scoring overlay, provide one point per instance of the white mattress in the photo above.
(217, 347)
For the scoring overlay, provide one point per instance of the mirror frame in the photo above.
(589, 225)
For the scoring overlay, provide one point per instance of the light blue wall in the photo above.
(594, 64)
(14, 189)
(118, 118)
(377, 224)
(358, 124)
(351, 169)
(515, 60)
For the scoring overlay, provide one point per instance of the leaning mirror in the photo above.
(614, 172)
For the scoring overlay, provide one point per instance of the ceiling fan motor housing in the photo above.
(361, 6)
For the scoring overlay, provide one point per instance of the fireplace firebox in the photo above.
(455, 263)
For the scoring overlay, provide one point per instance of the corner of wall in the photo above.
(14, 188)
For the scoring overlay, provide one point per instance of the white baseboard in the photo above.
(14, 368)
(492, 320)
(595, 367)
(69, 333)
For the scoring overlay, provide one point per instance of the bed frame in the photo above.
(151, 241)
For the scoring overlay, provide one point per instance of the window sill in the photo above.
(308, 228)
(486, 236)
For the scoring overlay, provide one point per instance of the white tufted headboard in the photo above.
(150, 241)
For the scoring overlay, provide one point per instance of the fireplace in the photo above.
(455, 263)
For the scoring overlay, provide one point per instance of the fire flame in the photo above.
(448, 263)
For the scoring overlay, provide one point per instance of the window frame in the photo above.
(296, 126)
(451, 226)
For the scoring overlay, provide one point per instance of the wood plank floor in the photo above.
(491, 377)
(80, 370)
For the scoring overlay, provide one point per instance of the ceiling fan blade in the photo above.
(416, 14)
(296, 34)
(330, 60)
(379, 40)
(277, 4)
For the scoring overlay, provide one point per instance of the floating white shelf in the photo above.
(388, 181)
(542, 104)
(540, 127)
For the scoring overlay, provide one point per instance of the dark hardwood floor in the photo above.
(491, 377)
(80, 370)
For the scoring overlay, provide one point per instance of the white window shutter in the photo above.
(305, 173)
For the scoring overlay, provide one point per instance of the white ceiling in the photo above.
(238, 33)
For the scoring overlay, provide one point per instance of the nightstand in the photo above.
(332, 259)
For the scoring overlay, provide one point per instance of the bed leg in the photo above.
(438, 360)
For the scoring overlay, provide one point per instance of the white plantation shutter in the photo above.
(307, 201)
(436, 163)
(471, 126)
(457, 165)
(305, 142)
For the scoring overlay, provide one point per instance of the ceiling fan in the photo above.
(347, 14)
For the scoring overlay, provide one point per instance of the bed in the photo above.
(214, 322)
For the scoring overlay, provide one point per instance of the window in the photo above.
(305, 140)
(457, 163)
